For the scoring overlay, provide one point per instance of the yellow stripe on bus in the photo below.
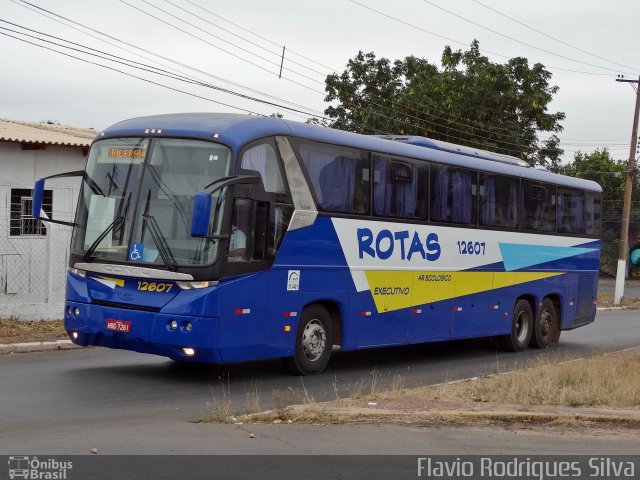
(393, 290)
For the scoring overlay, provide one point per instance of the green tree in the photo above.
(469, 101)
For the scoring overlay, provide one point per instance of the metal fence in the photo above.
(33, 263)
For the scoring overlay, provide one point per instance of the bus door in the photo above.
(258, 220)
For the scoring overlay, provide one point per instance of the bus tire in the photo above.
(546, 326)
(314, 342)
(521, 328)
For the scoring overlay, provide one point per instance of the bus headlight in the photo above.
(77, 272)
(196, 285)
(188, 351)
(173, 325)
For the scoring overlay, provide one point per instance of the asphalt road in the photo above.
(123, 402)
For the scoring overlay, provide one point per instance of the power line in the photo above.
(447, 127)
(217, 37)
(515, 39)
(258, 35)
(510, 132)
(459, 42)
(278, 54)
(551, 37)
(424, 121)
(446, 115)
(41, 11)
(131, 75)
(140, 66)
(494, 131)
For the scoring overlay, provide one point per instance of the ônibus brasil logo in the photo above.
(36, 469)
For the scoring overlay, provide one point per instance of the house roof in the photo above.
(44, 133)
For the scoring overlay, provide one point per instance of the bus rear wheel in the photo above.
(546, 326)
(314, 342)
(521, 328)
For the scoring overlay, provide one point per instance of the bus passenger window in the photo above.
(340, 177)
(593, 213)
(498, 201)
(453, 195)
(570, 211)
(538, 207)
(399, 188)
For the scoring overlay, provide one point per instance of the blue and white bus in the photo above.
(223, 238)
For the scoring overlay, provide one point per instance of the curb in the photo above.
(37, 346)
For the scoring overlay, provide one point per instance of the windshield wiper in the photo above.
(158, 237)
(161, 242)
(117, 223)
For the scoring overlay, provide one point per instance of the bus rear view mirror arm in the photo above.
(201, 212)
(38, 196)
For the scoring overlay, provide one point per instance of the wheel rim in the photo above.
(314, 340)
(546, 322)
(522, 327)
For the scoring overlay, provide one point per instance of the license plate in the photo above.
(123, 326)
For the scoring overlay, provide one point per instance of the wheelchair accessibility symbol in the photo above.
(136, 252)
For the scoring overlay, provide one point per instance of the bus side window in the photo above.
(399, 188)
(279, 219)
(340, 177)
(498, 201)
(538, 206)
(453, 195)
(262, 159)
(570, 211)
(593, 213)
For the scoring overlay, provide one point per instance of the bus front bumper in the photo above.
(184, 338)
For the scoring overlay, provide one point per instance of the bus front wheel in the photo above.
(546, 327)
(521, 328)
(314, 342)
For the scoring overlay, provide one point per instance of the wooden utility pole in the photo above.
(628, 189)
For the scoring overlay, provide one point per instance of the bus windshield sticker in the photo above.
(136, 252)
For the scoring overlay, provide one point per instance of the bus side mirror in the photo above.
(201, 214)
(36, 203)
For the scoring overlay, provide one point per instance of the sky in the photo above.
(238, 46)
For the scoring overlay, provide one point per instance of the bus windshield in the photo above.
(137, 198)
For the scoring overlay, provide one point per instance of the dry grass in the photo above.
(600, 390)
(16, 331)
(219, 410)
(253, 398)
(605, 300)
(607, 380)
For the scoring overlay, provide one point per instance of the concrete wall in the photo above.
(33, 268)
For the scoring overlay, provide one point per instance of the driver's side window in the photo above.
(240, 238)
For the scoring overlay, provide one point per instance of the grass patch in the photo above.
(220, 410)
(601, 390)
(17, 331)
(605, 300)
(606, 380)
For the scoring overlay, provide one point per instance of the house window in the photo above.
(22, 222)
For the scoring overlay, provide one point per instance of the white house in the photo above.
(33, 255)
